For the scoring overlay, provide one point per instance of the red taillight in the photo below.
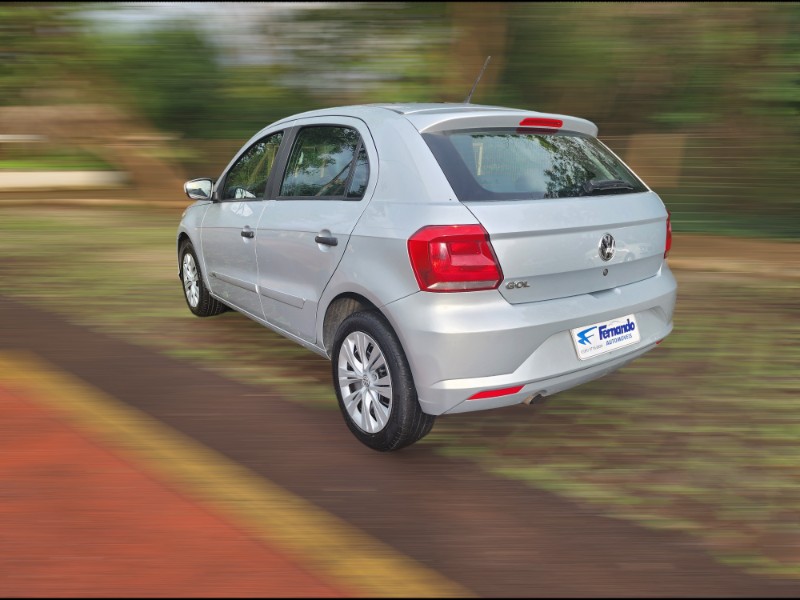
(453, 258)
(668, 244)
(541, 122)
(495, 393)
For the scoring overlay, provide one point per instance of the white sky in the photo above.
(233, 25)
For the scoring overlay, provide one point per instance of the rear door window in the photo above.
(326, 162)
(508, 164)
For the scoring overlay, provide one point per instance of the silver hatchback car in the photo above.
(445, 257)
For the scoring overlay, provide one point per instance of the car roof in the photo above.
(431, 117)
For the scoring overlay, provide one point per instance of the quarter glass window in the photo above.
(360, 176)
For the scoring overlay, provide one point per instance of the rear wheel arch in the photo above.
(341, 307)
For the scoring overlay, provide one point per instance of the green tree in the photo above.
(40, 47)
(170, 75)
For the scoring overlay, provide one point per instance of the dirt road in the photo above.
(491, 536)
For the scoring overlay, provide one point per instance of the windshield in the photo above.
(512, 164)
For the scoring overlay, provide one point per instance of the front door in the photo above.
(228, 232)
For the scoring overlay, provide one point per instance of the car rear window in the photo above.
(512, 164)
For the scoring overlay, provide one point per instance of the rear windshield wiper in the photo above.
(605, 185)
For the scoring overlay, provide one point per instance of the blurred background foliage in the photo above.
(701, 99)
(714, 87)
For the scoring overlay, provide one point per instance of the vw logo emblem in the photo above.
(607, 247)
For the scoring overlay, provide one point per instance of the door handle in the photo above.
(328, 241)
(248, 233)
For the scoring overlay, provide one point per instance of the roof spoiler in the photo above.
(440, 122)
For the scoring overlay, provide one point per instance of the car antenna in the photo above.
(474, 85)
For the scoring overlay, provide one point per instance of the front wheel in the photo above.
(198, 299)
(374, 386)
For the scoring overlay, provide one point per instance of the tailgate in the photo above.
(550, 248)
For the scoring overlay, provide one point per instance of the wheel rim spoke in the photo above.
(351, 400)
(362, 344)
(351, 358)
(376, 360)
(366, 425)
(384, 392)
(347, 377)
(381, 413)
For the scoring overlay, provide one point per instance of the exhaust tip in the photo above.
(534, 399)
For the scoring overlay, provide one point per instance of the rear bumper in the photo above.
(461, 344)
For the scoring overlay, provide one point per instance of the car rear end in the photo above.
(561, 279)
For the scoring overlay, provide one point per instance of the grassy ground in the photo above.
(44, 158)
(700, 435)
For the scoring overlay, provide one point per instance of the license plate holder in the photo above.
(605, 336)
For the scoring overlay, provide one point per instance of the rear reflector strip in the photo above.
(495, 393)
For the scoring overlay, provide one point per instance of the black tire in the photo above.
(406, 422)
(207, 305)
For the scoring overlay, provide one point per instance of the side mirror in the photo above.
(199, 189)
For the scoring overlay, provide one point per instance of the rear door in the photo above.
(564, 215)
(314, 207)
(229, 228)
